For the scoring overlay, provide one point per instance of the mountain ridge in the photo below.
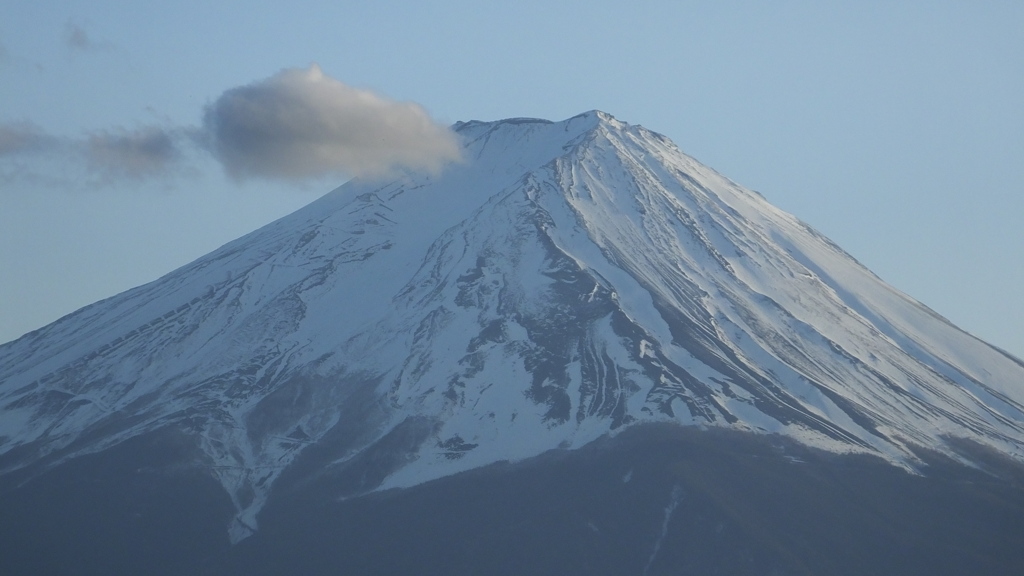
(567, 280)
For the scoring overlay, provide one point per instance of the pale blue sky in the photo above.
(897, 131)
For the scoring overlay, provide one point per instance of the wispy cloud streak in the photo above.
(134, 154)
(21, 138)
(76, 38)
(296, 125)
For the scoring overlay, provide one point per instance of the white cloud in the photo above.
(301, 124)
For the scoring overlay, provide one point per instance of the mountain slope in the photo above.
(567, 280)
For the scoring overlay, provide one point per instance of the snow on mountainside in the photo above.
(566, 280)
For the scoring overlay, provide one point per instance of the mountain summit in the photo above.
(567, 281)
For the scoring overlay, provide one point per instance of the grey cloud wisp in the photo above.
(143, 152)
(301, 124)
(18, 138)
(147, 151)
(76, 38)
(297, 125)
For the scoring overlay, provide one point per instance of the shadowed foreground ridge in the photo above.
(687, 380)
(654, 500)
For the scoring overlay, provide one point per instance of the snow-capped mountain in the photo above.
(565, 281)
